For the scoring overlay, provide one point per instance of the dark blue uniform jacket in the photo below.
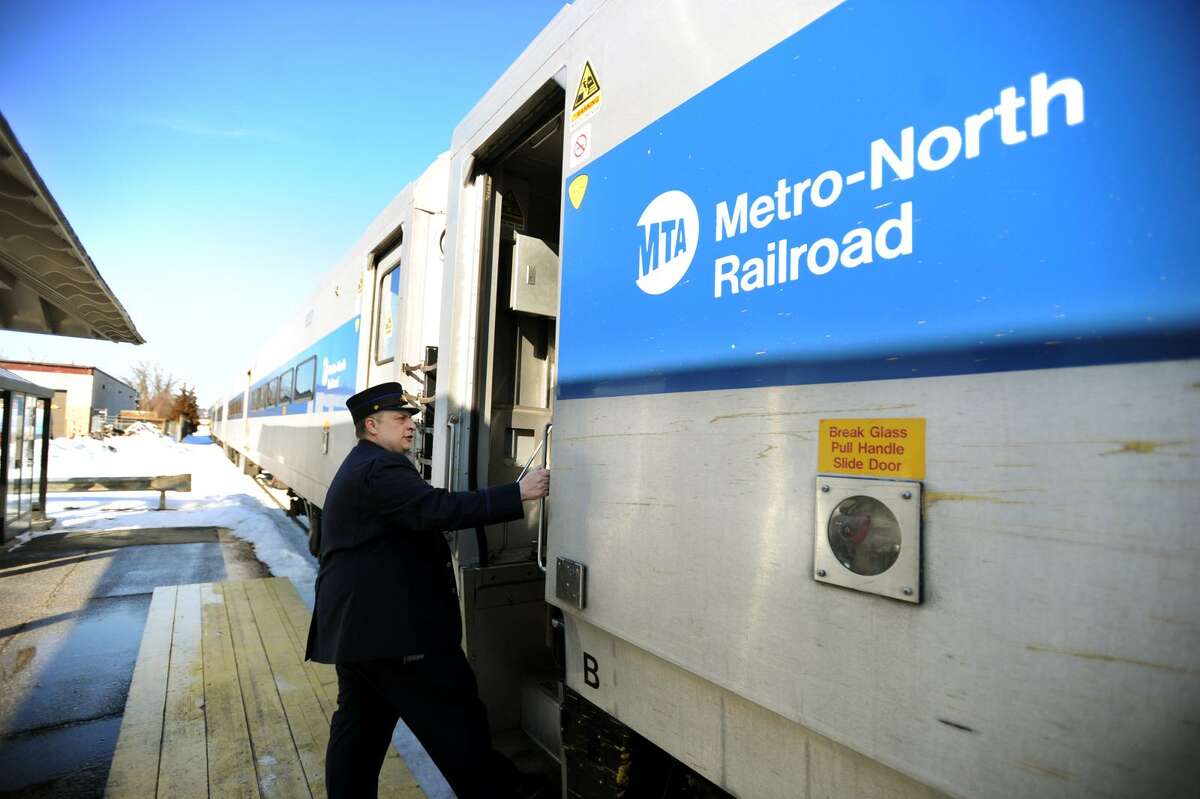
(385, 588)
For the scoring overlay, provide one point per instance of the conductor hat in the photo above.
(383, 397)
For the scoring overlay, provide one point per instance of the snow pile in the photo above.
(142, 428)
(142, 454)
(221, 496)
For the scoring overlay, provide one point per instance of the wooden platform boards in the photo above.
(222, 703)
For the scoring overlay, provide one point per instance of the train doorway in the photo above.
(507, 622)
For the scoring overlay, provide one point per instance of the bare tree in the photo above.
(161, 405)
(155, 387)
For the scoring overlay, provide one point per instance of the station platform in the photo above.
(95, 623)
(222, 702)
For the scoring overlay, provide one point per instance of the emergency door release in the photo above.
(868, 536)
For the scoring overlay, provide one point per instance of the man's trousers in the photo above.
(438, 699)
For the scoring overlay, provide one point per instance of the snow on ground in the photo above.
(221, 496)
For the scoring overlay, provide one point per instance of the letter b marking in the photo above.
(591, 671)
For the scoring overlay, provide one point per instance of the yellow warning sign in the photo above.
(587, 96)
(588, 85)
(873, 447)
(576, 189)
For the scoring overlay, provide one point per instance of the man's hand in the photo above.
(535, 484)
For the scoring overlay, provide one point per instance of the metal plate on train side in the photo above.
(899, 190)
(570, 582)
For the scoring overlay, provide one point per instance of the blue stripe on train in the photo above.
(1047, 220)
(336, 357)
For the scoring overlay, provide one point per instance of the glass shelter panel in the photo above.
(29, 439)
(39, 434)
(16, 430)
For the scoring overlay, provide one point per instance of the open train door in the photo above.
(517, 322)
(514, 185)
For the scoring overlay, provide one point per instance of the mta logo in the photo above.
(669, 233)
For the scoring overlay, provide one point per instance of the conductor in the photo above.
(387, 609)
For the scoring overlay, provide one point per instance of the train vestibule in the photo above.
(503, 299)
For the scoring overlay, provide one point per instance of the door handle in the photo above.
(452, 455)
(541, 539)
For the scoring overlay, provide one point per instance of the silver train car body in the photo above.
(286, 413)
(994, 247)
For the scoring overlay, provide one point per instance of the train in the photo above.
(861, 340)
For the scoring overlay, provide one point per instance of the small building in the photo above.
(23, 453)
(81, 393)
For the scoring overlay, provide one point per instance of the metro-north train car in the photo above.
(861, 340)
(287, 415)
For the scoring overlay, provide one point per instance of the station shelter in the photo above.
(24, 453)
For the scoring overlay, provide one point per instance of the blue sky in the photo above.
(217, 158)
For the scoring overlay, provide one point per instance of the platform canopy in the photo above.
(48, 284)
(11, 381)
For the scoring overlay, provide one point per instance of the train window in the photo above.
(306, 378)
(285, 387)
(387, 315)
(272, 393)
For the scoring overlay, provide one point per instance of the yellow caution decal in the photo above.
(576, 190)
(588, 86)
(587, 97)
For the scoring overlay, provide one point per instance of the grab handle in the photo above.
(541, 539)
(452, 455)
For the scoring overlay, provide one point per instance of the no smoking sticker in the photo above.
(581, 146)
